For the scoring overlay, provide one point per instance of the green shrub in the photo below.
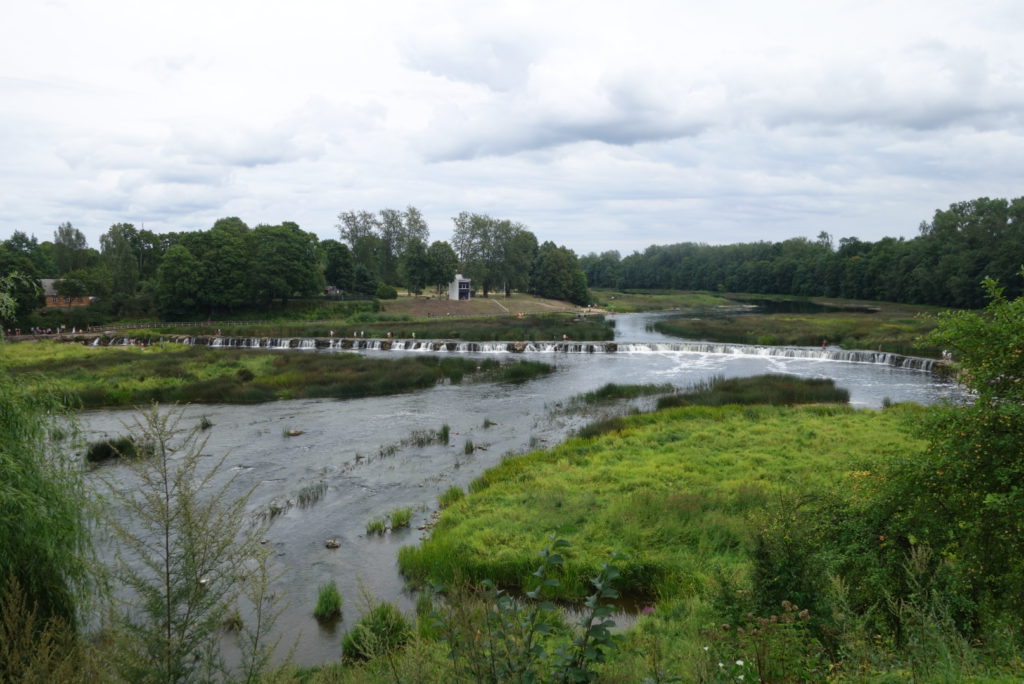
(385, 291)
(328, 601)
(380, 631)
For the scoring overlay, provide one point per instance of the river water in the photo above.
(355, 447)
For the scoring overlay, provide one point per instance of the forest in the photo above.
(232, 267)
(942, 266)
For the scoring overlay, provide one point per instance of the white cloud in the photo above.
(598, 124)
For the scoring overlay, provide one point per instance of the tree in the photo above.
(228, 264)
(183, 546)
(444, 264)
(121, 248)
(415, 265)
(963, 498)
(339, 269)
(70, 249)
(494, 252)
(285, 260)
(557, 275)
(178, 283)
(354, 226)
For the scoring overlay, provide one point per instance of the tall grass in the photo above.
(676, 486)
(171, 373)
(328, 601)
(44, 526)
(777, 390)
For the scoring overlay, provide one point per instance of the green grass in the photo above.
(778, 390)
(615, 392)
(892, 328)
(632, 301)
(400, 518)
(379, 526)
(167, 373)
(328, 601)
(673, 489)
(450, 496)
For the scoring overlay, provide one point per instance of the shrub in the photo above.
(385, 291)
(382, 630)
(328, 601)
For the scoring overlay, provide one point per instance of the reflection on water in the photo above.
(344, 444)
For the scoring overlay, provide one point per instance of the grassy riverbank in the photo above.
(890, 327)
(129, 376)
(673, 489)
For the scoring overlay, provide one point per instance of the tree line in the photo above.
(232, 267)
(943, 265)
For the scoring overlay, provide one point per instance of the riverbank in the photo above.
(134, 375)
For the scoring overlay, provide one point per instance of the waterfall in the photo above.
(563, 347)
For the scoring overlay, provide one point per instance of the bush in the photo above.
(380, 631)
(385, 291)
(328, 601)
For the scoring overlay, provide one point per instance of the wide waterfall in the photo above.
(533, 347)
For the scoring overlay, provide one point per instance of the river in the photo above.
(354, 446)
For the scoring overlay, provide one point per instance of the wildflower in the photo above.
(739, 663)
(706, 648)
(647, 610)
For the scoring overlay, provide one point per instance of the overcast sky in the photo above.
(600, 125)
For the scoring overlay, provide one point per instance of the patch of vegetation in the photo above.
(450, 496)
(119, 447)
(172, 373)
(776, 390)
(381, 630)
(400, 518)
(378, 526)
(328, 602)
(311, 494)
(677, 487)
(615, 392)
(468, 448)
(892, 328)
(633, 301)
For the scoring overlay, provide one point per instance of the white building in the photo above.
(459, 288)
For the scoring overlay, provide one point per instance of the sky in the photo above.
(598, 125)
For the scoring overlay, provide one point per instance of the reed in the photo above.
(400, 518)
(328, 601)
